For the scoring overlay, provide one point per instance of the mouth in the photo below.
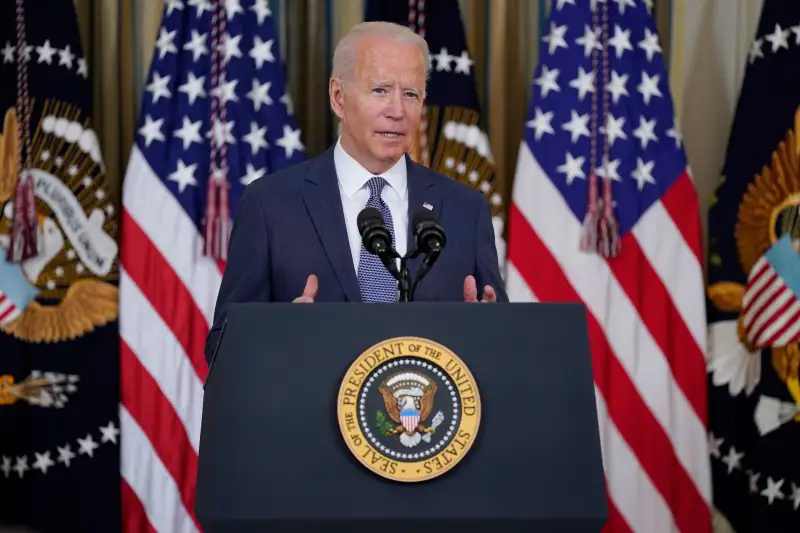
(390, 134)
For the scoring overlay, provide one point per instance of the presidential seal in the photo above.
(409, 409)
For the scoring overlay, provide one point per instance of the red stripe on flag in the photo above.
(166, 293)
(7, 313)
(790, 323)
(683, 207)
(159, 421)
(658, 313)
(11, 308)
(769, 317)
(757, 302)
(135, 518)
(755, 275)
(765, 301)
(615, 522)
(635, 422)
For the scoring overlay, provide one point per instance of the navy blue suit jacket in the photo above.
(291, 224)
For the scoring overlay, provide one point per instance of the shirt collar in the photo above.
(353, 176)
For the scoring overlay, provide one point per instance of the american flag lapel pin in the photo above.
(427, 206)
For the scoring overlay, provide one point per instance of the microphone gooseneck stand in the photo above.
(404, 284)
(429, 239)
(404, 281)
(402, 276)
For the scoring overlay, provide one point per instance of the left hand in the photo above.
(471, 291)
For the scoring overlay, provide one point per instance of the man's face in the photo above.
(381, 104)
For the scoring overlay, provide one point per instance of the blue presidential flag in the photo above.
(753, 289)
(59, 349)
(452, 139)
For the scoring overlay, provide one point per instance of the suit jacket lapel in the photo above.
(422, 194)
(322, 198)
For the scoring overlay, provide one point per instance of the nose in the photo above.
(394, 108)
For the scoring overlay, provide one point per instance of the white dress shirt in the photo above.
(354, 192)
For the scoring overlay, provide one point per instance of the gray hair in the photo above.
(344, 57)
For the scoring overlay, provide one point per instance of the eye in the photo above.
(379, 90)
(410, 94)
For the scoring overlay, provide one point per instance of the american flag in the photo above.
(171, 264)
(644, 293)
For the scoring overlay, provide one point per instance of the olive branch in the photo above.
(384, 425)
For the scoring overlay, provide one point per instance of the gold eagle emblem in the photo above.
(769, 208)
(408, 399)
(77, 259)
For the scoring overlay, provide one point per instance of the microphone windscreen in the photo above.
(368, 216)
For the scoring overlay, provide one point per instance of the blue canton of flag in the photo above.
(639, 147)
(258, 131)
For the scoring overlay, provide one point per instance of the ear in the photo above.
(336, 95)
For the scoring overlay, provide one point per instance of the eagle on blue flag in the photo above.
(59, 340)
(754, 292)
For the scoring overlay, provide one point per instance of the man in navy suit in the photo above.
(295, 236)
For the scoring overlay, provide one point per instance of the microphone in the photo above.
(428, 234)
(430, 240)
(376, 238)
(374, 233)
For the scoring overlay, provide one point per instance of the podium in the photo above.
(281, 449)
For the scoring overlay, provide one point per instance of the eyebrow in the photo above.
(383, 83)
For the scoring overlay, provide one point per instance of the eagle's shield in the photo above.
(771, 303)
(409, 418)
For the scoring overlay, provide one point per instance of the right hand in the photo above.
(309, 291)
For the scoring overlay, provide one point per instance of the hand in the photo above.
(309, 291)
(471, 291)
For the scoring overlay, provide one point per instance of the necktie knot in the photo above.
(376, 185)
